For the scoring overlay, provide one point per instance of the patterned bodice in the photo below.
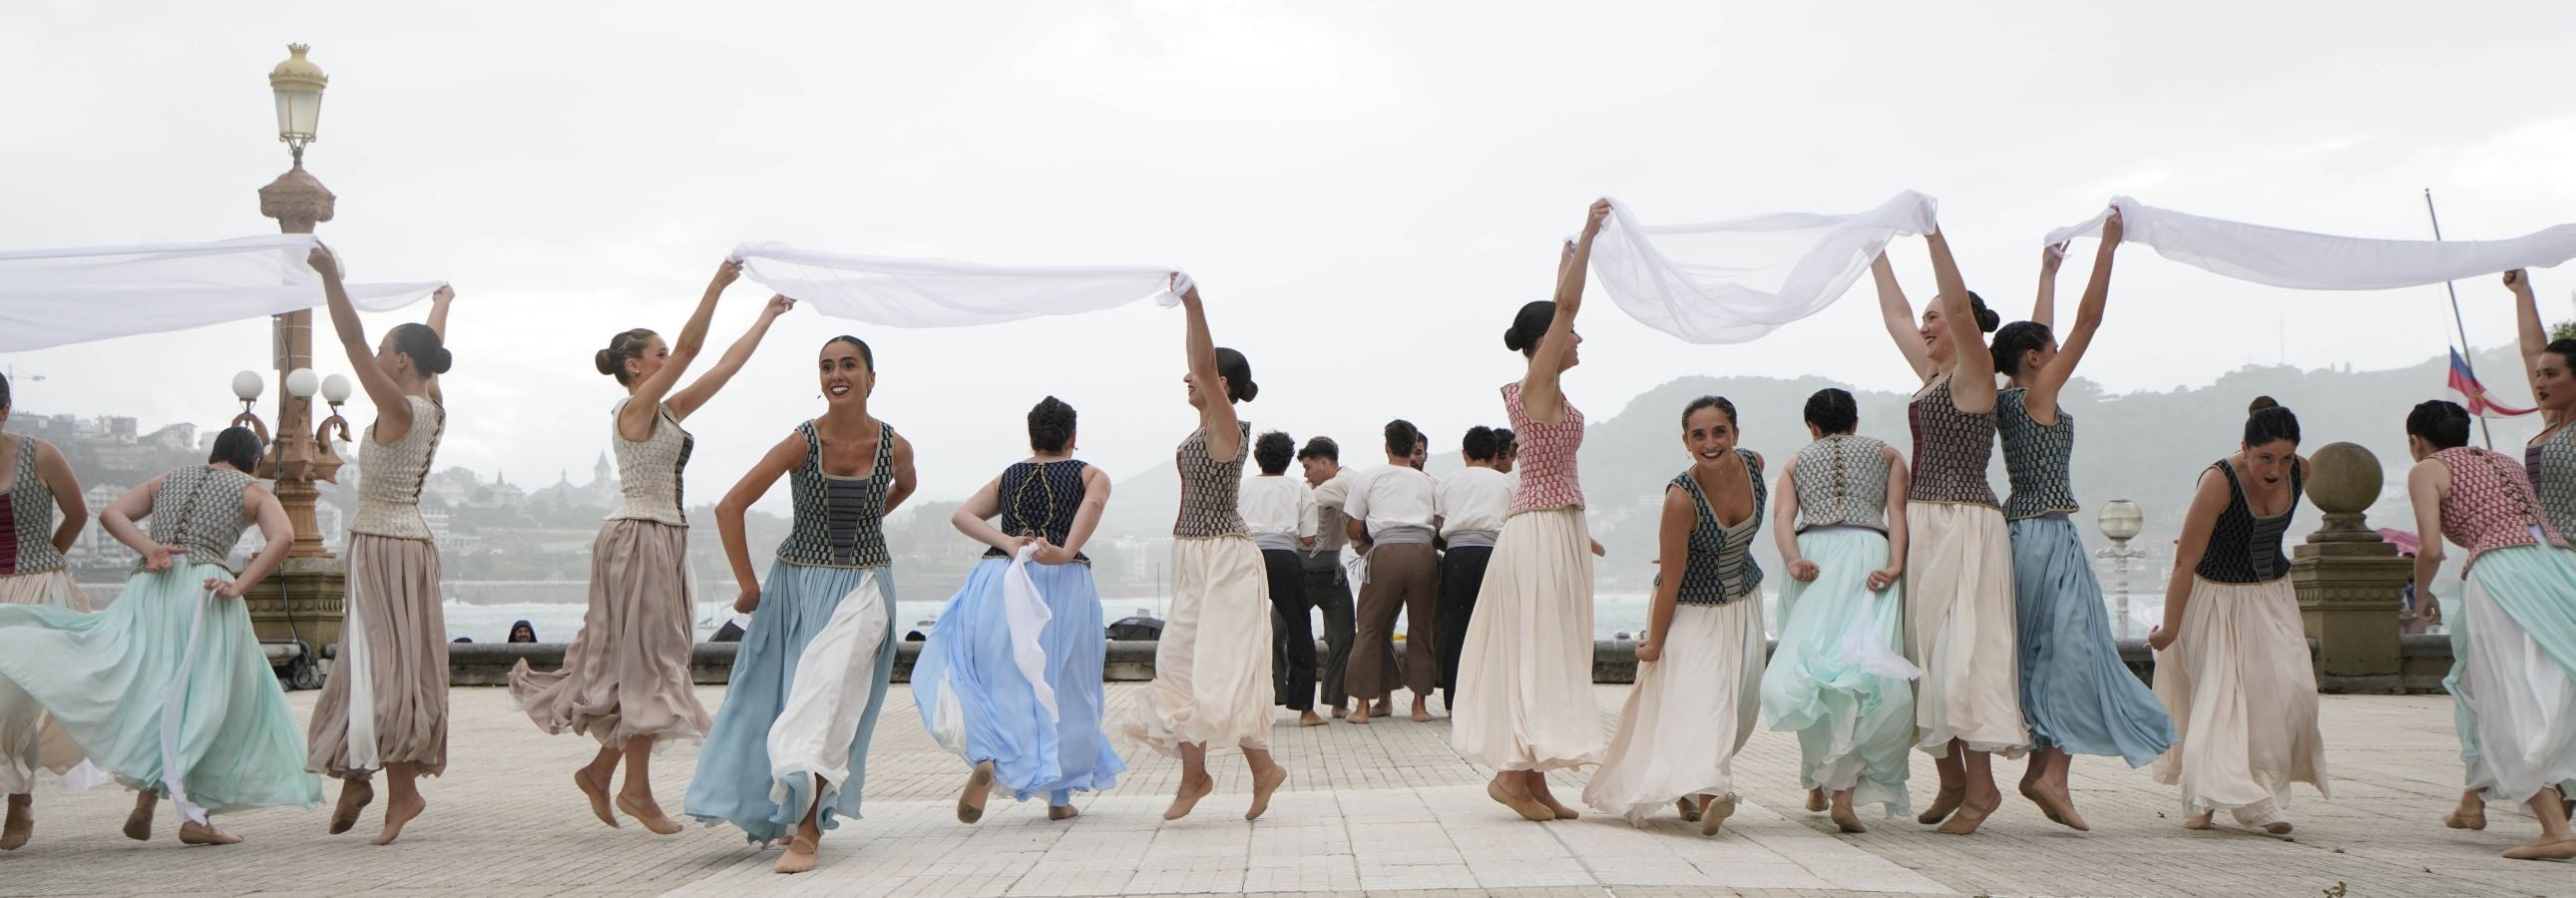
(1841, 480)
(1549, 479)
(2552, 468)
(27, 518)
(1209, 487)
(200, 509)
(390, 475)
(2035, 458)
(2491, 505)
(1040, 499)
(1721, 567)
(840, 521)
(648, 473)
(1951, 449)
(2244, 548)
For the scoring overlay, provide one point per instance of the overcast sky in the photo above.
(1366, 190)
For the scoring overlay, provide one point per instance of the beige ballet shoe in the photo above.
(1847, 821)
(1062, 812)
(205, 834)
(1529, 808)
(1689, 809)
(648, 812)
(1188, 798)
(396, 815)
(2198, 821)
(979, 786)
(1944, 803)
(21, 825)
(2473, 821)
(597, 792)
(355, 795)
(2561, 850)
(1713, 815)
(2059, 809)
(138, 824)
(1262, 787)
(1967, 819)
(800, 855)
(1816, 799)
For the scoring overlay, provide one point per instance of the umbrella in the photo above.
(2404, 541)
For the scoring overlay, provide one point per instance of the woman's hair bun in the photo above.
(2260, 403)
(607, 363)
(1512, 339)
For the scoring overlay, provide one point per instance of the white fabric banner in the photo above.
(1734, 280)
(2302, 260)
(936, 293)
(56, 297)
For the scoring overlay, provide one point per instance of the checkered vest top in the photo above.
(27, 518)
(840, 521)
(2552, 467)
(1721, 567)
(648, 472)
(1209, 488)
(1951, 449)
(200, 509)
(2244, 548)
(1040, 499)
(1841, 480)
(2036, 458)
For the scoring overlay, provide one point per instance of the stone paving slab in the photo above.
(1386, 809)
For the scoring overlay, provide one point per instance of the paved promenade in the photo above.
(1385, 809)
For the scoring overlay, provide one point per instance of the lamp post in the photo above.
(2120, 521)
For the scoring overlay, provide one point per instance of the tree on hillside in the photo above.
(2566, 330)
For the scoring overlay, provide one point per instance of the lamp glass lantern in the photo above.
(2121, 520)
(298, 84)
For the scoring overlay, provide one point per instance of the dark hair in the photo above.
(1833, 411)
(4, 391)
(1481, 444)
(1323, 448)
(2564, 349)
(1505, 442)
(1401, 437)
(2440, 422)
(238, 447)
(626, 345)
(519, 625)
(1987, 320)
(1237, 372)
(418, 341)
(1716, 402)
(2016, 340)
(1050, 425)
(867, 356)
(1271, 451)
(1529, 324)
(2268, 421)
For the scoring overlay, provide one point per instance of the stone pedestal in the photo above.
(300, 601)
(2347, 577)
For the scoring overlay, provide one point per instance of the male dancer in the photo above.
(1391, 509)
(1471, 504)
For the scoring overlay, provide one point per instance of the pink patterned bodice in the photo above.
(2491, 505)
(1549, 480)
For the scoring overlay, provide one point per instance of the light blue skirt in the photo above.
(802, 704)
(2076, 694)
(977, 701)
(2513, 671)
(166, 690)
(1836, 679)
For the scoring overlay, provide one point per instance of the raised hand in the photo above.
(726, 274)
(2112, 229)
(1592, 220)
(2051, 255)
(2517, 281)
(322, 259)
(446, 293)
(779, 304)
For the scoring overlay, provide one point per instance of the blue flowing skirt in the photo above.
(2075, 692)
(977, 702)
(802, 703)
(1854, 718)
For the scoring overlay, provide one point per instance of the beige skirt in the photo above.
(1525, 668)
(1959, 620)
(2243, 697)
(1688, 714)
(626, 674)
(392, 666)
(30, 740)
(1212, 666)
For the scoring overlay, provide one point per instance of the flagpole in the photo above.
(2468, 353)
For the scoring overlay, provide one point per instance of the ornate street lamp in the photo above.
(298, 84)
(2120, 521)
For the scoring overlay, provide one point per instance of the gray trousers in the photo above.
(1330, 592)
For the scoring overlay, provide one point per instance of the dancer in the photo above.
(1838, 678)
(1699, 669)
(385, 706)
(167, 690)
(1958, 558)
(1010, 682)
(1212, 662)
(1279, 513)
(2514, 646)
(1328, 583)
(788, 753)
(2550, 457)
(33, 538)
(2231, 657)
(2077, 696)
(1525, 670)
(1392, 518)
(1471, 504)
(625, 679)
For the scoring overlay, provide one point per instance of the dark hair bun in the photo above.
(1512, 339)
(606, 361)
(440, 360)
(1243, 392)
(2260, 403)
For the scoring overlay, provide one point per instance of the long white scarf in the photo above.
(1734, 280)
(2302, 260)
(937, 293)
(56, 297)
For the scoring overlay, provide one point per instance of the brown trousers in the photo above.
(1403, 577)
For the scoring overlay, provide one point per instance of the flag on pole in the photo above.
(2474, 394)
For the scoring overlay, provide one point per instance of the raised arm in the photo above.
(1900, 482)
(56, 472)
(1542, 396)
(2427, 484)
(393, 409)
(904, 481)
(1784, 524)
(1672, 546)
(2043, 308)
(1898, 314)
(1972, 367)
(781, 460)
(2048, 382)
(273, 527)
(119, 518)
(974, 517)
(439, 301)
(1216, 409)
(2207, 500)
(1095, 499)
(690, 398)
(635, 421)
(2535, 335)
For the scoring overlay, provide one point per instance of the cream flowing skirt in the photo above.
(1959, 620)
(30, 740)
(1525, 668)
(1212, 666)
(1688, 714)
(2243, 697)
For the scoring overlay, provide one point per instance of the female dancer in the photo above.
(625, 678)
(2515, 644)
(167, 689)
(2231, 658)
(1212, 667)
(1699, 669)
(1014, 694)
(789, 749)
(35, 482)
(1525, 668)
(2550, 458)
(1839, 677)
(1958, 561)
(2077, 696)
(385, 705)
